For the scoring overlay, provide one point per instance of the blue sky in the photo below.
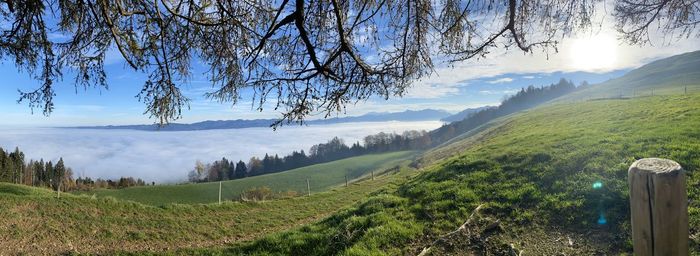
(468, 84)
(118, 104)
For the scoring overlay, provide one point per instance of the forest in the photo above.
(14, 168)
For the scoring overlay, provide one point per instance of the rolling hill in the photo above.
(671, 75)
(549, 180)
(534, 173)
(321, 177)
(34, 222)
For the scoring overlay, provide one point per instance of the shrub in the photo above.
(257, 194)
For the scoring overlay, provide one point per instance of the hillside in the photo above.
(665, 76)
(534, 173)
(550, 180)
(321, 177)
(35, 222)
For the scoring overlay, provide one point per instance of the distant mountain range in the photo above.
(408, 115)
(463, 114)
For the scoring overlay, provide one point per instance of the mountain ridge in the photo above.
(406, 116)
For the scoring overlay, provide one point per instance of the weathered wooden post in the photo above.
(372, 174)
(308, 187)
(659, 207)
(219, 192)
(346, 181)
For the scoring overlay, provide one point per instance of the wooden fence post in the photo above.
(659, 207)
(346, 181)
(308, 187)
(219, 192)
(372, 174)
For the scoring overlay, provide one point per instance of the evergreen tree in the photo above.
(59, 174)
(231, 170)
(241, 170)
(48, 169)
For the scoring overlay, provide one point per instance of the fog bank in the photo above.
(168, 156)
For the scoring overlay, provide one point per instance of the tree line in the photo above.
(334, 149)
(14, 168)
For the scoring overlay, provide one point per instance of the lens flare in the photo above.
(597, 185)
(602, 220)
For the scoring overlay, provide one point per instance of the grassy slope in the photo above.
(34, 222)
(534, 171)
(666, 76)
(669, 76)
(321, 177)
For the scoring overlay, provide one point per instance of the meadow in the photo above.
(534, 174)
(321, 178)
(37, 222)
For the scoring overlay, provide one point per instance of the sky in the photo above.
(594, 57)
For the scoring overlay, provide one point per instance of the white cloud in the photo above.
(529, 77)
(501, 80)
(431, 91)
(168, 156)
(497, 92)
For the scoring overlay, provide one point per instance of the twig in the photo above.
(515, 250)
(460, 229)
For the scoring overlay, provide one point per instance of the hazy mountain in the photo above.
(408, 115)
(463, 114)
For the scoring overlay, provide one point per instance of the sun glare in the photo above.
(594, 53)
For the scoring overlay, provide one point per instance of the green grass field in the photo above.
(34, 222)
(534, 172)
(321, 177)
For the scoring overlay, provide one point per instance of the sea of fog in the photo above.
(168, 156)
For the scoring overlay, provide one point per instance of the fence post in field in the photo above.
(219, 192)
(346, 181)
(659, 207)
(372, 174)
(308, 187)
